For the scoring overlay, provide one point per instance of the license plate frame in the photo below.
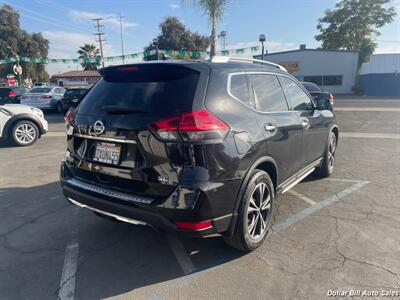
(107, 153)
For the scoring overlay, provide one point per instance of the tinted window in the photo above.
(311, 87)
(332, 80)
(75, 92)
(40, 90)
(296, 96)
(239, 88)
(268, 93)
(158, 89)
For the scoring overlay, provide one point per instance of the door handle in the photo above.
(270, 128)
(305, 122)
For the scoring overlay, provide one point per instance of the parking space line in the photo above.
(302, 197)
(358, 184)
(181, 255)
(369, 135)
(317, 206)
(67, 283)
(374, 109)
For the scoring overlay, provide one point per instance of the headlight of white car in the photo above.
(37, 112)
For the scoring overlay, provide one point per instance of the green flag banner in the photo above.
(138, 55)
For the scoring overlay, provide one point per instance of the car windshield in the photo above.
(311, 87)
(75, 92)
(40, 90)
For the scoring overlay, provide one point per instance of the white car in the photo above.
(44, 98)
(22, 124)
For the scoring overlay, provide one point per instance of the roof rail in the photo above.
(225, 59)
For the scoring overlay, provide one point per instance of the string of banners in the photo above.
(138, 55)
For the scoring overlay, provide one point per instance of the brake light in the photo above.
(12, 93)
(199, 125)
(128, 69)
(70, 116)
(23, 97)
(62, 99)
(46, 96)
(330, 98)
(193, 226)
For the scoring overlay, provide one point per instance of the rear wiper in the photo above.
(115, 109)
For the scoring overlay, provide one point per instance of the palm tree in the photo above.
(89, 51)
(214, 9)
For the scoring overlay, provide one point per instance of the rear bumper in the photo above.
(115, 206)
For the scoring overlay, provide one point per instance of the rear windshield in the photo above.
(154, 88)
(40, 90)
(311, 87)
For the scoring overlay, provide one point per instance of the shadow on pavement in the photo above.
(36, 225)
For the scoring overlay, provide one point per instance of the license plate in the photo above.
(107, 153)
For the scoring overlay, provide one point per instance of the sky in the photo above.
(68, 24)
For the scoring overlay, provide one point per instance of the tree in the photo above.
(89, 51)
(175, 36)
(23, 43)
(214, 9)
(353, 25)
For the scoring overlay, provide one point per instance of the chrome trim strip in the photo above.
(90, 137)
(108, 192)
(118, 217)
(303, 173)
(297, 181)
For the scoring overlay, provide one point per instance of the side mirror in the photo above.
(324, 104)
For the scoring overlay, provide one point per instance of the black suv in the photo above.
(195, 148)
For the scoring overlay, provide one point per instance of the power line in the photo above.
(99, 36)
(122, 40)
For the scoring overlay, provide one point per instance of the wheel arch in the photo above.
(265, 163)
(21, 117)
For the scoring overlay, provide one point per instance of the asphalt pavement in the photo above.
(329, 236)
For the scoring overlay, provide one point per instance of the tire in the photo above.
(59, 108)
(245, 237)
(24, 133)
(328, 162)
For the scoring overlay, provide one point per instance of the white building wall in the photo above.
(381, 64)
(322, 63)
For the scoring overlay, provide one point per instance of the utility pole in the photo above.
(122, 40)
(100, 39)
(223, 36)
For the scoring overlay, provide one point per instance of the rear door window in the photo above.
(157, 89)
(40, 90)
(268, 93)
(239, 89)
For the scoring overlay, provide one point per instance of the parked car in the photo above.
(72, 97)
(319, 95)
(195, 148)
(44, 98)
(21, 124)
(12, 94)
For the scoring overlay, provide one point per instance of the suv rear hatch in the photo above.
(112, 143)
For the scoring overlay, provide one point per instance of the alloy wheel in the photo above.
(25, 133)
(258, 211)
(331, 152)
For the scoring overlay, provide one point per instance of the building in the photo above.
(333, 70)
(76, 78)
(381, 75)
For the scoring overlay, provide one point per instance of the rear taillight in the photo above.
(199, 125)
(46, 97)
(62, 99)
(23, 97)
(70, 116)
(12, 93)
(197, 226)
(330, 98)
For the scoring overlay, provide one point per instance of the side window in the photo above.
(296, 96)
(239, 88)
(268, 93)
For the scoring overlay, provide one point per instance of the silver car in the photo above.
(44, 98)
